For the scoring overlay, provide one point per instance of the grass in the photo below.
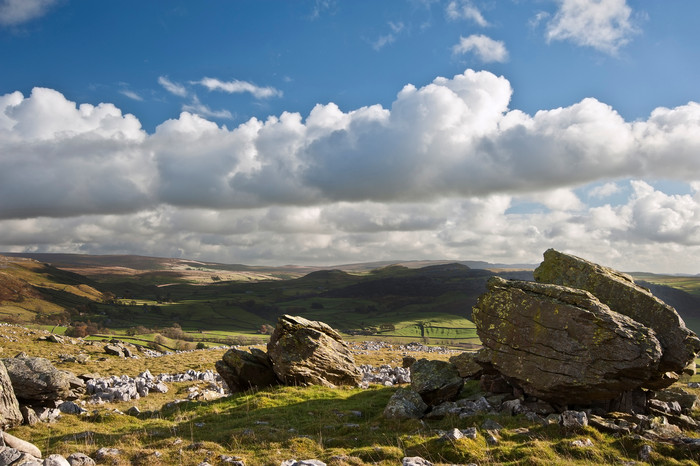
(268, 426)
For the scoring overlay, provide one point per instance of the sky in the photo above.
(321, 132)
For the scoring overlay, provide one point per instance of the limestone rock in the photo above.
(619, 292)
(36, 379)
(305, 352)
(21, 445)
(561, 344)
(435, 381)
(10, 414)
(242, 370)
(56, 460)
(466, 365)
(405, 404)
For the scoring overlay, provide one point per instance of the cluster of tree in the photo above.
(80, 329)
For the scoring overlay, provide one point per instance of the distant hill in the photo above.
(124, 291)
(32, 291)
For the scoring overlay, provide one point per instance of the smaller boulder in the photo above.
(435, 381)
(466, 365)
(405, 404)
(242, 370)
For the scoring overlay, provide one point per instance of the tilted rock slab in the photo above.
(36, 379)
(305, 352)
(619, 292)
(242, 370)
(10, 415)
(562, 344)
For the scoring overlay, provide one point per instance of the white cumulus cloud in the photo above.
(487, 49)
(465, 9)
(435, 173)
(605, 25)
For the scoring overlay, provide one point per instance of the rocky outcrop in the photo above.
(37, 380)
(561, 344)
(242, 370)
(10, 414)
(619, 292)
(305, 352)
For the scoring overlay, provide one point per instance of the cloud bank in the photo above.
(441, 173)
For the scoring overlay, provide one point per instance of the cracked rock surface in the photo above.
(562, 344)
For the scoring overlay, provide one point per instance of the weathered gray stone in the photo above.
(29, 415)
(435, 381)
(305, 352)
(242, 370)
(619, 292)
(36, 379)
(466, 365)
(10, 415)
(573, 420)
(686, 400)
(562, 344)
(114, 350)
(56, 460)
(21, 445)
(9, 455)
(405, 404)
(415, 461)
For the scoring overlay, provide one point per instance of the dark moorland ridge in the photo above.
(349, 297)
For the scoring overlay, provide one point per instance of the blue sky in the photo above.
(329, 131)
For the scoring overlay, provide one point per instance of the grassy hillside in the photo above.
(215, 303)
(342, 427)
(32, 291)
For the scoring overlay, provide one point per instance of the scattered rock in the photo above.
(415, 461)
(80, 459)
(105, 453)
(302, 463)
(573, 420)
(69, 407)
(466, 365)
(645, 453)
(55, 460)
(21, 445)
(490, 424)
(114, 350)
(435, 381)
(405, 404)
(582, 443)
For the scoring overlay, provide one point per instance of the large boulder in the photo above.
(562, 344)
(10, 414)
(242, 370)
(37, 380)
(305, 352)
(619, 292)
